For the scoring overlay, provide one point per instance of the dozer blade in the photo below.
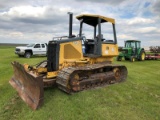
(29, 87)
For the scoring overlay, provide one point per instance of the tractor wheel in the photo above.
(126, 58)
(119, 58)
(132, 59)
(27, 55)
(142, 56)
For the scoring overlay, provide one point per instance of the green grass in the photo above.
(138, 98)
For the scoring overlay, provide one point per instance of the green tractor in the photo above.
(132, 51)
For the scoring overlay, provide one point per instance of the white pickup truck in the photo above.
(31, 49)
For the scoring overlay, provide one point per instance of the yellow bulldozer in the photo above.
(74, 63)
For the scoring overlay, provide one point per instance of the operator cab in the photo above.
(134, 45)
(92, 44)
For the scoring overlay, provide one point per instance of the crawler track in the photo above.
(75, 79)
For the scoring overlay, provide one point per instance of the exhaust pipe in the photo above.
(70, 23)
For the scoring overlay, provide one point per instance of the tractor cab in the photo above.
(132, 51)
(132, 46)
(103, 33)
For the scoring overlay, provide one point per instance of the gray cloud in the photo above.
(4, 5)
(112, 2)
(27, 23)
(40, 20)
(156, 7)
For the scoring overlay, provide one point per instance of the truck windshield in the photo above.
(30, 45)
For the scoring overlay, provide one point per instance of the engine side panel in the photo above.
(70, 52)
(109, 50)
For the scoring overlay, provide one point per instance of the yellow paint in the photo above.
(70, 50)
(109, 50)
(52, 74)
(71, 54)
(41, 70)
(26, 67)
(98, 16)
(133, 59)
(143, 56)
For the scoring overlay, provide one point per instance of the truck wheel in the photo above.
(119, 58)
(142, 55)
(20, 55)
(132, 58)
(27, 55)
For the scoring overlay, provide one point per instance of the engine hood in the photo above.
(23, 47)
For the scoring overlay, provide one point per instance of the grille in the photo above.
(53, 57)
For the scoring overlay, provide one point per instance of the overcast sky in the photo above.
(29, 21)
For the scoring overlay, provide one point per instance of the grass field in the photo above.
(138, 98)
